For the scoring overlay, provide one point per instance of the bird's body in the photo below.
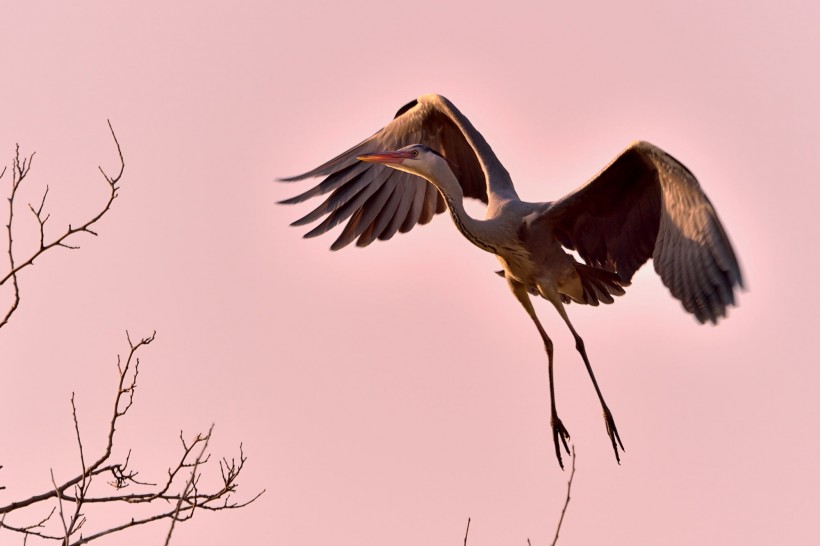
(645, 204)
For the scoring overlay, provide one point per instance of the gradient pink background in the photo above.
(384, 395)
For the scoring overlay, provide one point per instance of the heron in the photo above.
(644, 204)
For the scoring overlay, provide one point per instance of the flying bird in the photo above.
(644, 204)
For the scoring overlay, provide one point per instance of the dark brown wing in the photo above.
(646, 204)
(379, 201)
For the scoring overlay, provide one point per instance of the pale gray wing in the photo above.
(646, 204)
(377, 201)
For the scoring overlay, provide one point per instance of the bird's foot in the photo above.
(559, 432)
(612, 430)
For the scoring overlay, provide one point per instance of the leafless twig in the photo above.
(563, 511)
(566, 502)
(190, 486)
(20, 169)
(78, 490)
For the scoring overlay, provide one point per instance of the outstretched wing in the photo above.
(378, 200)
(646, 204)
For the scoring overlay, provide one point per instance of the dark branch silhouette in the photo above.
(66, 512)
(563, 510)
(66, 504)
(566, 502)
(20, 170)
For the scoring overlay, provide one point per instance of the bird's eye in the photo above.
(414, 153)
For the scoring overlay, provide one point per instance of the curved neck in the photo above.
(476, 231)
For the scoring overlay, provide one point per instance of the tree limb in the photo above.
(20, 169)
(78, 490)
(566, 502)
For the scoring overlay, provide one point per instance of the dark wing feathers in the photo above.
(378, 201)
(646, 204)
(613, 220)
(692, 243)
(338, 178)
(396, 218)
(372, 199)
(383, 217)
(406, 107)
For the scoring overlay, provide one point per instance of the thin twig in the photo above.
(189, 486)
(77, 520)
(185, 501)
(60, 505)
(566, 502)
(20, 169)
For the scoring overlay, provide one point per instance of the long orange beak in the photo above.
(385, 157)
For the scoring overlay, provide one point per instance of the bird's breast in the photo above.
(517, 263)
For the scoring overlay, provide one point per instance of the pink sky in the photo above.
(384, 395)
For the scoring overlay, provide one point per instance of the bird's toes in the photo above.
(612, 431)
(559, 431)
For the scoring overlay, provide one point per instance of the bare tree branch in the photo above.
(69, 505)
(563, 511)
(20, 169)
(190, 486)
(566, 502)
(186, 498)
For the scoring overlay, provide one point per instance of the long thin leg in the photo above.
(611, 429)
(558, 429)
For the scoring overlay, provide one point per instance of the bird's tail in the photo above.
(599, 285)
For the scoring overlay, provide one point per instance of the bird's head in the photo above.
(415, 159)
